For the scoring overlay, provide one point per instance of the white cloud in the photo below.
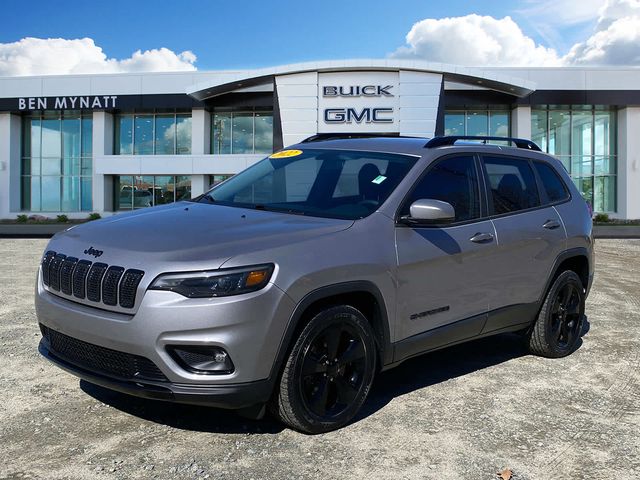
(474, 40)
(485, 40)
(618, 44)
(616, 39)
(51, 56)
(613, 10)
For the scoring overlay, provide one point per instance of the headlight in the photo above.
(215, 283)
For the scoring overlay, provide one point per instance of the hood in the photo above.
(196, 235)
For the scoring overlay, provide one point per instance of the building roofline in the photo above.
(476, 76)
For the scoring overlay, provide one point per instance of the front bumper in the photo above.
(235, 396)
(249, 327)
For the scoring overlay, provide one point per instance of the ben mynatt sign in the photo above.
(68, 103)
(98, 102)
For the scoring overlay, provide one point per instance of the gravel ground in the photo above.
(465, 412)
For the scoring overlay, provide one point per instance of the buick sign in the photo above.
(358, 91)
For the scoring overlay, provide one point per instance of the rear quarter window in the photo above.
(552, 183)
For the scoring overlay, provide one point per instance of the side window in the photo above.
(552, 183)
(453, 180)
(512, 183)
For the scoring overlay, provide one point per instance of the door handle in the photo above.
(551, 225)
(482, 238)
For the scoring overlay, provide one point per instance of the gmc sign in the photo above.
(352, 115)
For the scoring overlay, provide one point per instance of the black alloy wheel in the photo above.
(565, 315)
(558, 327)
(328, 373)
(333, 369)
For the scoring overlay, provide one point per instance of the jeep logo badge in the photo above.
(93, 251)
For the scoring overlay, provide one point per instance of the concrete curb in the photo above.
(25, 230)
(617, 231)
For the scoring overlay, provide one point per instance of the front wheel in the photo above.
(328, 373)
(557, 329)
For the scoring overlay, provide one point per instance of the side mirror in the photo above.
(428, 211)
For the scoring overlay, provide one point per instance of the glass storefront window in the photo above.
(454, 123)
(499, 124)
(242, 137)
(183, 134)
(559, 133)
(141, 191)
(263, 137)
(216, 179)
(604, 193)
(56, 162)
(183, 188)
(242, 132)
(489, 122)
(583, 137)
(539, 128)
(152, 134)
(124, 135)
(221, 138)
(143, 135)
(165, 135)
(477, 123)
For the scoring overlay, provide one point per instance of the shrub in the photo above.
(22, 218)
(601, 218)
(94, 216)
(62, 218)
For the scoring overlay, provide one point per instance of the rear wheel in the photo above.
(557, 329)
(328, 373)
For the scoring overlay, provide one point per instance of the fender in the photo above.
(572, 252)
(383, 337)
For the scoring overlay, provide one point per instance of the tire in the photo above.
(318, 393)
(556, 331)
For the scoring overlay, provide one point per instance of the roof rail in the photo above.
(340, 136)
(452, 139)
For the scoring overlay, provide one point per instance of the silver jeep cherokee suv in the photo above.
(291, 284)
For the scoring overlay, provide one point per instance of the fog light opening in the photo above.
(202, 359)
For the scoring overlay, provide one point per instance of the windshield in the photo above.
(324, 183)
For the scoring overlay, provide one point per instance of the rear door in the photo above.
(443, 271)
(530, 236)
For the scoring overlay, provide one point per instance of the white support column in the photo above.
(521, 122)
(418, 99)
(10, 185)
(200, 132)
(628, 180)
(102, 145)
(199, 184)
(298, 100)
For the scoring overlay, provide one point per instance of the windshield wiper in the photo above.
(208, 198)
(261, 206)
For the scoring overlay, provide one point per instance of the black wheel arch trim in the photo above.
(566, 255)
(381, 327)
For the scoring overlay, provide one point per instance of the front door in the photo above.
(444, 272)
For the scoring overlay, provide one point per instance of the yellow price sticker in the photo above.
(286, 154)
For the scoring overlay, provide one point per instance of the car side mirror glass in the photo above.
(429, 211)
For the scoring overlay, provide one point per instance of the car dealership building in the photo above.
(77, 144)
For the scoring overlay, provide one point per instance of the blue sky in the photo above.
(72, 37)
(260, 33)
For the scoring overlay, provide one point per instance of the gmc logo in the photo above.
(351, 115)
